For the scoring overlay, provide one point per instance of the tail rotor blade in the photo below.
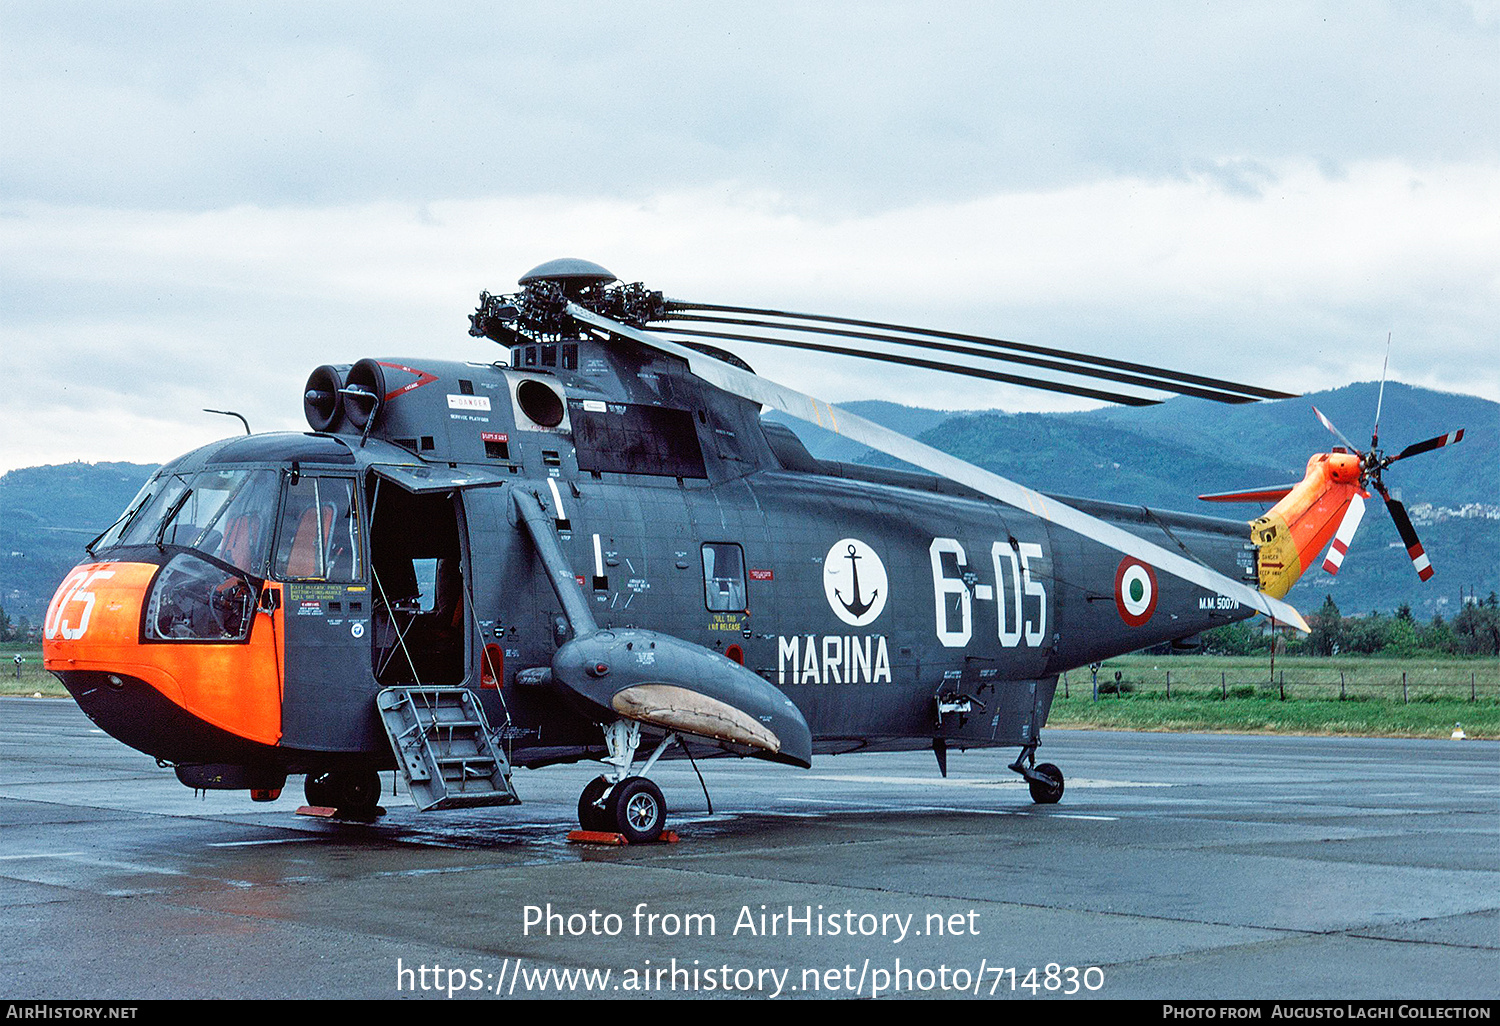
(1339, 434)
(1408, 534)
(1352, 516)
(1380, 400)
(1432, 443)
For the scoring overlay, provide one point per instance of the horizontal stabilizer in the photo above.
(1274, 493)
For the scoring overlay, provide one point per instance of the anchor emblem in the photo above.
(858, 607)
(854, 581)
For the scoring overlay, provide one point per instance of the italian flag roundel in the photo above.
(1135, 591)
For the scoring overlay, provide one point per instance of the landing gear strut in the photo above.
(1044, 779)
(618, 802)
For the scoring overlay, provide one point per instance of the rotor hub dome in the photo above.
(569, 272)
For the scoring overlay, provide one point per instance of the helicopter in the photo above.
(598, 549)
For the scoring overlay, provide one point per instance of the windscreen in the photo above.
(227, 514)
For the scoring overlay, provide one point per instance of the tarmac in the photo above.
(1177, 866)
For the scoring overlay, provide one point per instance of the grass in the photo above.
(33, 678)
(1435, 697)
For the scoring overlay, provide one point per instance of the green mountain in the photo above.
(47, 516)
(1286, 432)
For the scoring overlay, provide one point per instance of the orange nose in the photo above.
(94, 624)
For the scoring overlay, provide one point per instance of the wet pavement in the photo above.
(1175, 866)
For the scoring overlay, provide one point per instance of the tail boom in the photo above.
(1292, 533)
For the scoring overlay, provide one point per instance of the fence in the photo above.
(1224, 686)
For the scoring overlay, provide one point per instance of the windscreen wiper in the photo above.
(89, 548)
(171, 515)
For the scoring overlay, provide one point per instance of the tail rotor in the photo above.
(1373, 463)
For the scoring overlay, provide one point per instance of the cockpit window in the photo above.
(225, 513)
(319, 537)
(196, 514)
(140, 529)
(111, 534)
(239, 531)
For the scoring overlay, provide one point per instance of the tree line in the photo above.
(14, 630)
(1474, 631)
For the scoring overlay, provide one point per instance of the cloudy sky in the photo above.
(201, 202)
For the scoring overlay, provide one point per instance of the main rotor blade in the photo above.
(913, 361)
(1408, 533)
(805, 407)
(1329, 425)
(1432, 443)
(1347, 526)
(1082, 370)
(998, 343)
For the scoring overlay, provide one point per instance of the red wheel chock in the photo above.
(329, 812)
(608, 837)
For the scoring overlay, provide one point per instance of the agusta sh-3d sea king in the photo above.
(600, 550)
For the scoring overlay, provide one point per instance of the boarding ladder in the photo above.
(444, 745)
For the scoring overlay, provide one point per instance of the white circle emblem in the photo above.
(854, 581)
(357, 629)
(1135, 591)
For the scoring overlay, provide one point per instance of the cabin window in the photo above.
(426, 572)
(724, 577)
(319, 538)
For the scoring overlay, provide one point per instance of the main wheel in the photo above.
(1044, 794)
(318, 790)
(347, 790)
(637, 810)
(591, 814)
(358, 790)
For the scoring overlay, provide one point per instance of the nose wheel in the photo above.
(593, 811)
(638, 810)
(633, 808)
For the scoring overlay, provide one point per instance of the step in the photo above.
(445, 747)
